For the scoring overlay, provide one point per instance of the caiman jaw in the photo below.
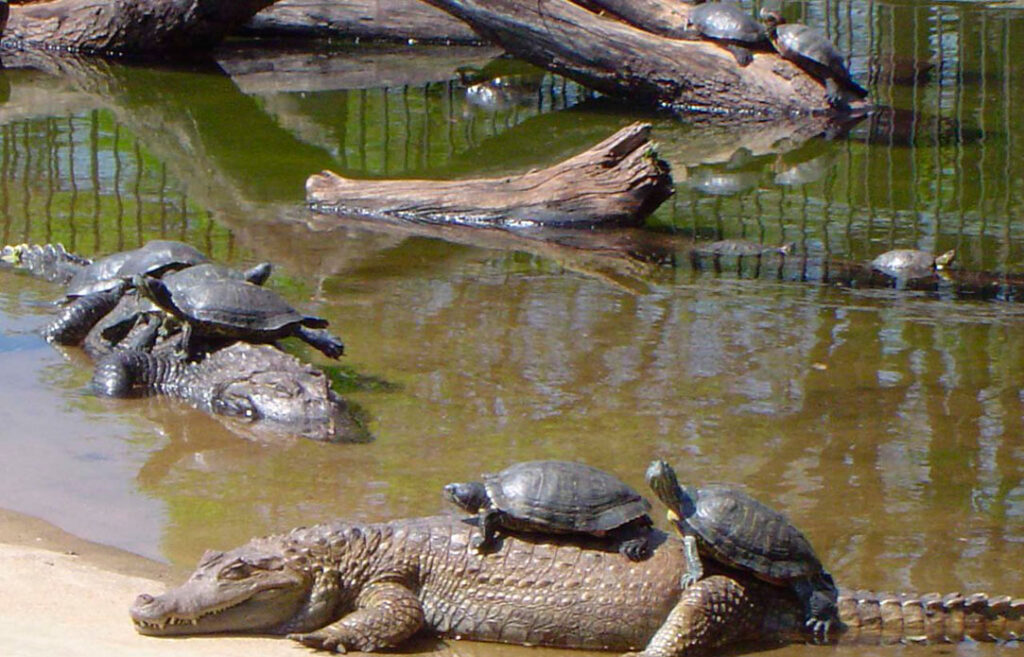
(228, 593)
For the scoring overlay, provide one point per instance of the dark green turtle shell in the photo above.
(234, 304)
(154, 258)
(728, 22)
(564, 496)
(735, 529)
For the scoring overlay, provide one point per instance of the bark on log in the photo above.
(126, 26)
(622, 60)
(389, 20)
(616, 183)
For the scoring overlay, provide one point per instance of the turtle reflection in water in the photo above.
(556, 497)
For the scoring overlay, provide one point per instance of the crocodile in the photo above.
(369, 587)
(257, 383)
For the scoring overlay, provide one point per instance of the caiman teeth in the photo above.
(182, 620)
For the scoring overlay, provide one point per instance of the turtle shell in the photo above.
(565, 496)
(726, 21)
(735, 529)
(910, 263)
(740, 247)
(798, 42)
(154, 258)
(232, 303)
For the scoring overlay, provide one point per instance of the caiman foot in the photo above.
(321, 640)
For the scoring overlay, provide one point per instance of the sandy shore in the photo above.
(60, 595)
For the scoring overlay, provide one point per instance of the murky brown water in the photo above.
(887, 424)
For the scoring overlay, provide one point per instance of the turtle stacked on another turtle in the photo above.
(556, 497)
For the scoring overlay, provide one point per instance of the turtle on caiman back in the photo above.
(559, 497)
(737, 531)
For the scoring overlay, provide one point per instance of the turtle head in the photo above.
(662, 480)
(470, 496)
(945, 260)
(258, 274)
(771, 14)
(154, 290)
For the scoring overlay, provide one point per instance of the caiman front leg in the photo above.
(387, 613)
(712, 612)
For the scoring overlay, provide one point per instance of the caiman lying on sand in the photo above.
(370, 587)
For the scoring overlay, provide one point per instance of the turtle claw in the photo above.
(687, 580)
(819, 628)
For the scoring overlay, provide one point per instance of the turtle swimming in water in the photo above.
(741, 248)
(736, 530)
(810, 49)
(556, 497)
(730, 26)
(907, 264)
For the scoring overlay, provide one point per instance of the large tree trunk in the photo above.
(622, 60)
(127, 26)
(392, 20)
(616, 183)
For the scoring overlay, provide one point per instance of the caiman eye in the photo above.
(237, 570)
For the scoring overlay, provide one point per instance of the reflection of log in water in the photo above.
(616, 183)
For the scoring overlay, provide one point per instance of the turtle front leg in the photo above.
(694, 568)
(489, 519)
(387, 613)
(819, 597)
(713, 612)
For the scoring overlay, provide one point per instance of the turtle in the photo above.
(810, 49)
(726, 23)
(556, 497)
(741, 248)
(735, 530)
(133, 311)
(234, 309)
(97, 287)
(906, 264)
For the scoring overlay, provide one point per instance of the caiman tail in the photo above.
(930, 618)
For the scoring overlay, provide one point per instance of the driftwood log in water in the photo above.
(390, 20)
(126, 26)
(620, 59)
(616, 183)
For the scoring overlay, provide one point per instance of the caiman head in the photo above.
(254, 589)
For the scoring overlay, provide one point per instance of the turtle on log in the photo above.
(556, 497)
(727, 24)
(810, 49)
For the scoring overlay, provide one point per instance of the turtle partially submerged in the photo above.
(730, 26)
(560, 497)
(906, 264)
(235, 309)
(736, 530)
(97, 287)
(739, 248)
(810, 49)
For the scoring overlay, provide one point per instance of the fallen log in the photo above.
(387, 20)
(622, 60)
(126, 26)
(618, 182)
